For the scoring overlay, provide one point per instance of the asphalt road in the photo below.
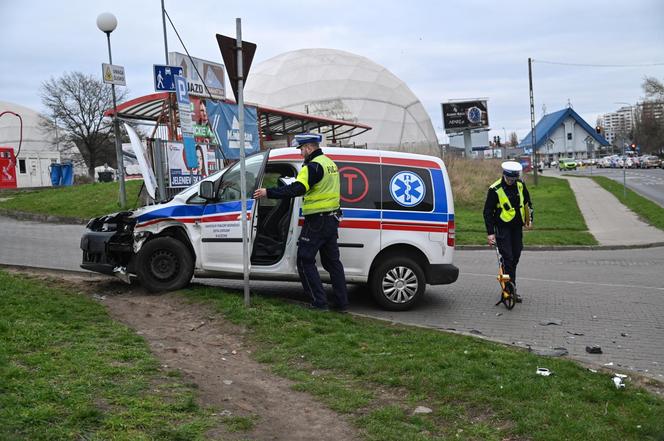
(614, 299)
(647, 182)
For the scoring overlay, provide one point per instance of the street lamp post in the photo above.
(106, 22)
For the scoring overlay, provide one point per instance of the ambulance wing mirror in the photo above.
(206, 190)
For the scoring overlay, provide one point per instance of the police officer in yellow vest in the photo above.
(318, 182)
(505, 213)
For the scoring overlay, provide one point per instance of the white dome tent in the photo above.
(341, 85)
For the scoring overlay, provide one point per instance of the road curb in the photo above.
(569, 247)
(47, 218)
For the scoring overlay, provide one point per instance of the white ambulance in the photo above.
(396, 236)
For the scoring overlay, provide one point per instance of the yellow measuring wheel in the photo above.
(507, 287)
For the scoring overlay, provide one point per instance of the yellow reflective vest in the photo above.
(507, 212)
(324, 196)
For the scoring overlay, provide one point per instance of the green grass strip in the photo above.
(648, 210)
(558, 219)
(80, 201)
(68, 372)
(378, 373)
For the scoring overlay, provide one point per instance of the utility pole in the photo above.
(532, 119)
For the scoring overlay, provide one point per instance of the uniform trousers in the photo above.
(509, 240)
(319, 234)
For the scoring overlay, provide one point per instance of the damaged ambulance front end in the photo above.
(109, 244)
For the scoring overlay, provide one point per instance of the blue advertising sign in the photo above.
(164, 77)
(186, 121)
(223, 118)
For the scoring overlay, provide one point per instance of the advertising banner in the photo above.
(182, 176)
(212, 75)
(465, 115)
(186, 121)
(143, 161)
(224, 121)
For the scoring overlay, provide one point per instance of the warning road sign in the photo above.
(113, 74)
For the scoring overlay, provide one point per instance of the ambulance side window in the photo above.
(407, 189)
(229, 187)
(359, 185)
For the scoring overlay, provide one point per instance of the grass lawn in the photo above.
(648, 210)
(558, 220)
(68, 372)
(80, 201)
(378, 373)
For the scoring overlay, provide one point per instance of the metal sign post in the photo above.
(243, 178)
(237, 56)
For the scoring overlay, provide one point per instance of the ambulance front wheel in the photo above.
(397, 283)
(164, 264)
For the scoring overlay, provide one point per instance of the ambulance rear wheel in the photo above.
(164, 264)
(397, 283)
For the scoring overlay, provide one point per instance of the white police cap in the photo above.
(511, 169)
(307, 138)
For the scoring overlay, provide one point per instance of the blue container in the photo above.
(67, 174)
(56, 174)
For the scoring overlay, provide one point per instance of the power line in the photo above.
(597, 65)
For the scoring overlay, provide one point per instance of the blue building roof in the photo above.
(549, 123)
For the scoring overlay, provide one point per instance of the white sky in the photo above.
(441, 49)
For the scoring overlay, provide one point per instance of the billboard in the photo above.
(212, 75)
(465, 115)
(225, 123)
(179, 174)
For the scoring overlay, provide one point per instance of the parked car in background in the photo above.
(604, 162)
(651, 161)
(566, 164)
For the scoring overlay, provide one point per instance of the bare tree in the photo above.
(649, 124)
(76, 103)
(514, 139)
(653, 88)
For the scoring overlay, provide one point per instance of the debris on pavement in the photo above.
(575, 333)
(195, 327)
(618, 382)
(554, 321)
(594, 349)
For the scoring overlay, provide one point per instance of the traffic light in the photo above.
(633, 147)
(498, 141)
(598, 129)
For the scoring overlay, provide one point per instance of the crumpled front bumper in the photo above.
(106, 251)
